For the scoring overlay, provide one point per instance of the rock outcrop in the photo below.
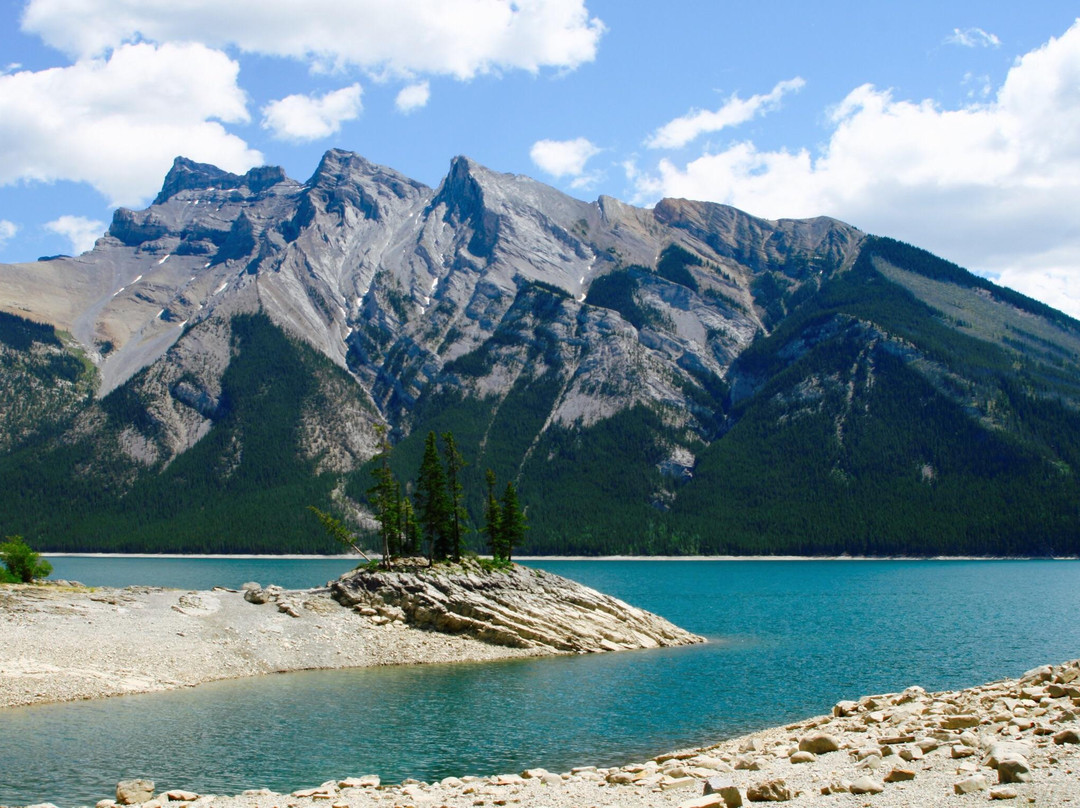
(519, 607)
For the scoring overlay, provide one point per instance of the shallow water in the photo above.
(788, 639)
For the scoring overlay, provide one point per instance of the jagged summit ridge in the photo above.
(188, 175)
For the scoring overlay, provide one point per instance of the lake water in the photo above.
(788, 639)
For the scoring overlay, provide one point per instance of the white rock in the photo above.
(131, 792)
(867, 785)
(971, 785)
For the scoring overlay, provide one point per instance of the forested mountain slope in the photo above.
(682, 379)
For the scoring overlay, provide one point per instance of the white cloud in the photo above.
(80, 231)
(972, 38)
(994, 186)
(7, 231)
(304, 117)
(563, 158)
(117, 123)
(462, 38)
(677, 133)
(413, 97)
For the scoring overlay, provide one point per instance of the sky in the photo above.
(954, 126)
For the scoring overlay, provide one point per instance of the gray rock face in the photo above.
(395, 281)
(518, 607)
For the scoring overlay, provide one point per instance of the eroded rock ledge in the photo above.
(517, 607)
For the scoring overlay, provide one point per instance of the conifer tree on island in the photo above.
(493, 519)
(454, 464)
(513, 526)
(432, 503)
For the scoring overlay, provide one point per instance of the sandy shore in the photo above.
(1016, 741)
(62, 643)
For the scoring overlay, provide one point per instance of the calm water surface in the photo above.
(787, 640)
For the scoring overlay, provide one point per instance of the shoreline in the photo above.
(1013, 740)
(107, 641)
(347, 557)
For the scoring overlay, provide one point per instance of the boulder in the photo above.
(867, 785)
(770, 791)
(132, 792)
(819, 743)
(803, 757)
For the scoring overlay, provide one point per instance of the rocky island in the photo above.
(105, 642)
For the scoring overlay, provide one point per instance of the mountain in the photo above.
(683, 379)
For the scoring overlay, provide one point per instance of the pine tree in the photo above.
(493, 519)
(385, 497)
(410, 529)
(432, 503)
(513, 525)
(458, 515)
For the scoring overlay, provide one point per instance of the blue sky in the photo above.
(951, 125)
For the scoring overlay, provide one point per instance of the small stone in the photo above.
(1003, 793)
(845, 708)
(178, 795)
(971, 785)
(726, 790)
(959, 721)
(258, 596)
(911, 753)
(836, 787)
(706, 801)
(622, 778)
(899, 775)
(1067, 736)
(131, 792)
(677, 782)
(867, 785)
(958, 752)
(770, 791)
(898, 739)
(747, 764)
(1014, 769)
(819, 743)
(105, 804)
(803, 757)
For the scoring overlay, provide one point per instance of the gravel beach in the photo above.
(62, 643)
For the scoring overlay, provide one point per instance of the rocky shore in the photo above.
(65, 642)
(1016, 741)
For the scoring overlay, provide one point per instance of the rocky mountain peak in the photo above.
(187, 175)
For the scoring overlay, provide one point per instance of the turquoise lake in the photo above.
(788, 639)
